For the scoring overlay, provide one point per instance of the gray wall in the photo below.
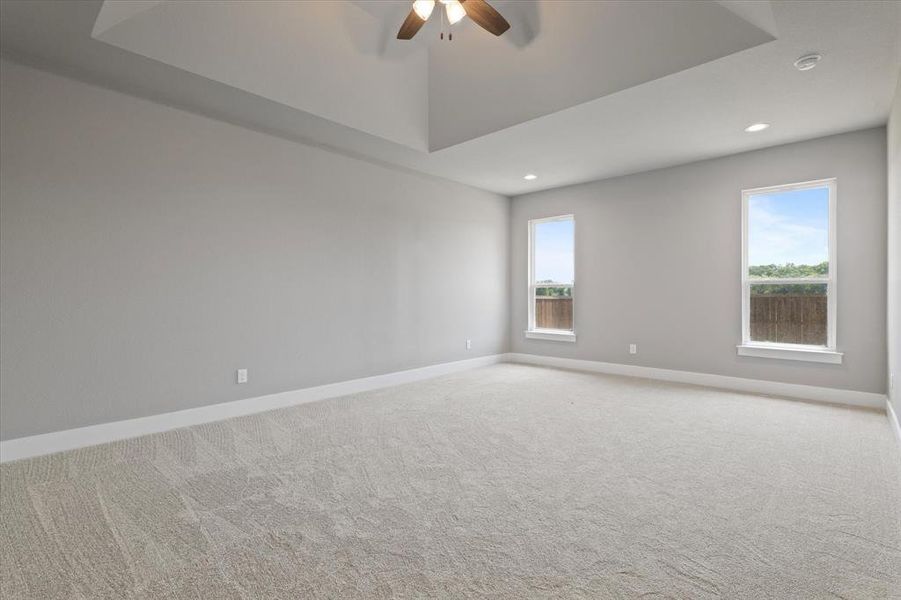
(658, 262)
(894, 249)
(146, 253)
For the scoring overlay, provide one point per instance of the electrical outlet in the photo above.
(242, 375)
(633, 348)
(469, 344)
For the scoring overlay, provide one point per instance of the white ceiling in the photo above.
(578, 52)
(320, 57)
(574, 91)
(340, 60)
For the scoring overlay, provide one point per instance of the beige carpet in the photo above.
(505, 482)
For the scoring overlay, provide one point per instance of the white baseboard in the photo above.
(893, 421)
(755, 386)
(70, 439)
(92, 435)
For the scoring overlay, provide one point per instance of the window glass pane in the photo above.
(554, 308)
(789, 313)
(554, 248)
(788, 233)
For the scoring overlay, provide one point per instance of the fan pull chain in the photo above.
(450, 34)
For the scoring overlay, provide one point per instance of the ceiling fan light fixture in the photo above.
(479, 12)
(455, 11)
(424, 8)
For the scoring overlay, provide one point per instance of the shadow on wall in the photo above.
(524, 19)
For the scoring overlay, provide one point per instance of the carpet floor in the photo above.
(504, 482)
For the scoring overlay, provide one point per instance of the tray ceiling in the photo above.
(569, 109)
(339, 61)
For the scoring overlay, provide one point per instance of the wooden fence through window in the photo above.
(789, 319)
(554, 313)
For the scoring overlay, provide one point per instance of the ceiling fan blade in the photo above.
(411, 25)
(485, 16)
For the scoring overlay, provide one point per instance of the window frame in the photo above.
(788, 351)
(532, 332)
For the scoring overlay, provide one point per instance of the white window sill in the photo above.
(787, 352)
(554, 335)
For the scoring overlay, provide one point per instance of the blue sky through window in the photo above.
(789, 227)
(554, 251)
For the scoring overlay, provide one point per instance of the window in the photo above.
(551, 278)
(789, 272)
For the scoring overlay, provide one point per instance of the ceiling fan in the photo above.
(479, 11)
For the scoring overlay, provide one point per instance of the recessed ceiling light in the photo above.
(808, 61)
(530, 177)
(756, 127)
